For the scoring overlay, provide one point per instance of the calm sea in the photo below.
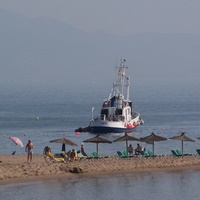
(165, 108)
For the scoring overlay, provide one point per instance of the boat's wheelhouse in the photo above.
(116, 109)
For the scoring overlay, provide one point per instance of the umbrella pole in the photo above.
(63, 147)
(97, 149)
(127, 145)
(182, 147)
(153, 148)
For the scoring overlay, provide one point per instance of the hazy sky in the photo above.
(42, 52)
(122, 17)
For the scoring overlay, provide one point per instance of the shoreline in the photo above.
(15, 169)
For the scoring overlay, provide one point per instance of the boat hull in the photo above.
(105, 126)
(100, 129)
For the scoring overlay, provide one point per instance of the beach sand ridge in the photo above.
(16, 168)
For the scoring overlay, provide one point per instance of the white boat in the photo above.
(117, 115)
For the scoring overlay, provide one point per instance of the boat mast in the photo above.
(128, 86)
(123, 80)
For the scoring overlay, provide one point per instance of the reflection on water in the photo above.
(138, 186)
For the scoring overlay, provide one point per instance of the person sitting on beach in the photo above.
(138, 149)
(130, 150)
(47, 149)
(72, 155)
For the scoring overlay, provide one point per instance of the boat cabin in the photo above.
(116, 109)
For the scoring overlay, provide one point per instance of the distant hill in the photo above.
(45, 51)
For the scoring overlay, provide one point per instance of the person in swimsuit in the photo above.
(72, 155)
(47, 149)
(138, 149)
(82, 149)
(29, 150)
(130, 150)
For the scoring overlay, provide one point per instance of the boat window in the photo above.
(118, 111)
(104, 112)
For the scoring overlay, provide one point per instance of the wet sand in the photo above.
(17, 169)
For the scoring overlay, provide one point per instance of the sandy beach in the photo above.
(17, 169)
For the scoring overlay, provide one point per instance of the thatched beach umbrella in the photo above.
(97, 139)
(126, 138)
(182, 137)
(152, 138)
(64, 141)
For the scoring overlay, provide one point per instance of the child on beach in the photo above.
(72, 155)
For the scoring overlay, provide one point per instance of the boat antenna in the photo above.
(116, 66)
(92, 113)
(116, 62)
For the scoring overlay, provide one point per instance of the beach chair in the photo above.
(150, 153)
(95, 155)
(198, 151)
(78, 151)
(121, 155)
(175, 153)
(60, 155)
(144, 154)
(125, 153)
(81, 156)
(179, 152)
(49, 157)
(68, 153)
(84, 154)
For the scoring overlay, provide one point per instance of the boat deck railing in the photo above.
(110, 118)
(103, 117)
(135, 114)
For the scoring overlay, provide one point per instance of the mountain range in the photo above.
(43, 51)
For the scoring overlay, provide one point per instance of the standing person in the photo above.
(72, 155)
(82, 149)
(130, 150)
(29, 150)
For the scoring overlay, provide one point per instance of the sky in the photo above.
(120, 17)
(45, 37)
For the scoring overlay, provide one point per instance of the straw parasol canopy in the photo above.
(97, 139)
(64, 141)
(126, 138)
(153, 138)
(182, 137)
